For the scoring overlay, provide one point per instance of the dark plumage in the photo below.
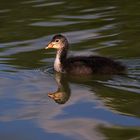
(82, 64)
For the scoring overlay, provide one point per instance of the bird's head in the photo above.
(58, 42)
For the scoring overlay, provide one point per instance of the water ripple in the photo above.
(48, 4)
(55, 23)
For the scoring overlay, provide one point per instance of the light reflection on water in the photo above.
(85, 108)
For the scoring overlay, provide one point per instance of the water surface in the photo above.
(96, 107)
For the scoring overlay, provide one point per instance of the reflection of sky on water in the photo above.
(78, 117)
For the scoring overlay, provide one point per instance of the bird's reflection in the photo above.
(103, 87)
(63, 92)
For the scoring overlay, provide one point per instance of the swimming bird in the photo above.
(81, 65)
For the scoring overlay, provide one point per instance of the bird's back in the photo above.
(93, 64)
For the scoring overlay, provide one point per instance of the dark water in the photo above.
(94, 108)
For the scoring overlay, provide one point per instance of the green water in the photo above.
(90, 108)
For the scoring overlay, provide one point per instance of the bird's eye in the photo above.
(57, 40)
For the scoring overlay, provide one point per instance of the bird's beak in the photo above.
(51, 95)
(50, 45)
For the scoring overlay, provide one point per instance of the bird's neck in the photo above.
(60, 60)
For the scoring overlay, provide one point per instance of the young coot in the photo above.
(81, 65)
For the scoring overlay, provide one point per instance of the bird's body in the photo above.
(92, 64)
(81, 65)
